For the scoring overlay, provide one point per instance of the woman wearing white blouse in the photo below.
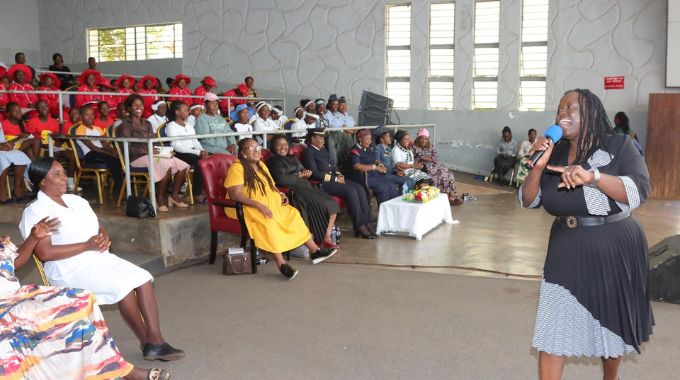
(263, 122)
(77, 256)
(160, 109)
(189, 150)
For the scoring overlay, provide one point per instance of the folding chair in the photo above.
(160, 132)
(41, 270)
(97, 172)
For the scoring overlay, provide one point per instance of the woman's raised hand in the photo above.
(572, 175)
(45, 227)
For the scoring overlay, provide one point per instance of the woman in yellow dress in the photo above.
(275, 226)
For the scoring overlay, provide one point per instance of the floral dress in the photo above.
(441, 175)
(49, 332)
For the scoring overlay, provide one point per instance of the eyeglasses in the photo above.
(254, 148)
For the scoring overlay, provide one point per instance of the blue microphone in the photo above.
(554, 134)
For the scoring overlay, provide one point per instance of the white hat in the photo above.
(157, 104)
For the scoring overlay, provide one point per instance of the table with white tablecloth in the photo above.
(416, 219)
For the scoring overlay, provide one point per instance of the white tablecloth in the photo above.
(416, 219)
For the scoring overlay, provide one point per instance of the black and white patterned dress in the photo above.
(594, 297)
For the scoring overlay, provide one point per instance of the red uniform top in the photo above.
(85, 98)
(35, 126)
(67, 125)
(180, 91)
(104, 124)
(118, 99)
(148, 101)
(3, 101)
(9, 129)
(201, 91)
(52, 100)
(24, 100)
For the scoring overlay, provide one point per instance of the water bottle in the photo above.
(404, 190)
(334, 235)
(338, 234)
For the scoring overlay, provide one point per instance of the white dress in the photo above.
(156, 121)
(10, 157)
(108, 276)
(243, 128)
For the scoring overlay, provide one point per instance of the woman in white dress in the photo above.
(9, 157)
(77, 256)
(402, 156)
(263, 122)
(159, 117)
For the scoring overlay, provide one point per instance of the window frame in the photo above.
(388, 48)
(140, 48)
(484, 45)
(533, 78)
(440, 78)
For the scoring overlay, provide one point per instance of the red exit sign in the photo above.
(613, 83)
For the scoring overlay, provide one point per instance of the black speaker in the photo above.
(374, 109)
(664, 270)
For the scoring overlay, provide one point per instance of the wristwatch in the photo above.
(596, 177)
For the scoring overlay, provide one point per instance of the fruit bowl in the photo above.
(421, 195)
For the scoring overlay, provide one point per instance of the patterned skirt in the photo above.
(594, 297)
(56, 333)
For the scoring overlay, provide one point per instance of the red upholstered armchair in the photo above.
(296, 150)
(214, 171)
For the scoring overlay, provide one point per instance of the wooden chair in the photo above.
(41, 270)
(97, 172)
(160, 132)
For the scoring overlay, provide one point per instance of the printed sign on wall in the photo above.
(613, 83)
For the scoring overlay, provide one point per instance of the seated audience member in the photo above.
(105, 85)
(55, 332)
(66, 80)
(91, 63)
(44, 124)
(50, 82)
(16, 134)
(263, 121)
(88, 80)
(21, 76)
(104, 120)
(403, 158)
(383, 155)
(242, 124)
(317, 160)
(98, 152)
(442, 177)
(73, 119)
(317, 208)
(523, 155)
(278, 117)
(365, 170)
(211, 122)
(506, 153)
(320, 110)
(194, 111)
(20, 58)
(147, 86)
(226, 104)
(164, 168)
(276, 226)
(18, 161)
(335, 118)
(77, 256)
(123, 85)
(159, 117)
(622, 126)
(308, 105)
(120, 115)
(168, 82)
(179, 88)
(4, 84)
(347, 119)
(207, 84)
(189, 150)
(250, 89)
(307, 121)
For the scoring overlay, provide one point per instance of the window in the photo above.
(485, 63)
(534, 55)
(135, 43)
(442, 16)
(398, 58)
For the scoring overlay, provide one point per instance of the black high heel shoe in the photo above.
(365, 233)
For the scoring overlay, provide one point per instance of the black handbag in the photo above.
(139, 207)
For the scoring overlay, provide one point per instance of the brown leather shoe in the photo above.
(455, 202)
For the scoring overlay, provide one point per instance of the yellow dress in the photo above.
(283, 232)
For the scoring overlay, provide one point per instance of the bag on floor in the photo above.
(139, 207)
(236, 261)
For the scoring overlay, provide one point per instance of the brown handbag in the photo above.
(236, 261)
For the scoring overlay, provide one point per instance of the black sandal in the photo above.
(157, 374)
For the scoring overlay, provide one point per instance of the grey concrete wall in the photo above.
(19, 31)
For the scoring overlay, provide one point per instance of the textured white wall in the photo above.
(316, 47)
(18, 31)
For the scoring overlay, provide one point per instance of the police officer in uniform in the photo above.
(366, 170)
(317, 159)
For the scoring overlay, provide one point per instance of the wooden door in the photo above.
(663, 145)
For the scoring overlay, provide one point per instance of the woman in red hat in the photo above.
(105, 85)
(88, 81)
(50, 82)
(179, 87)
(3, 95)
(124, 85)
(21, 75)
(148, 87)
(15, 132)
(208, 83)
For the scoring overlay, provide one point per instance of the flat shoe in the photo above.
(163, 209)
(163, 352)
(157, 374)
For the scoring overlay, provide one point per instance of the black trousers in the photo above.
(113, 163)
(355, 197)
(192, 160)
(502, 165)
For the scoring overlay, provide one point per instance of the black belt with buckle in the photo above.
(591, 221)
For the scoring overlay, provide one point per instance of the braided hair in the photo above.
(595, 125)
(251, 180)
